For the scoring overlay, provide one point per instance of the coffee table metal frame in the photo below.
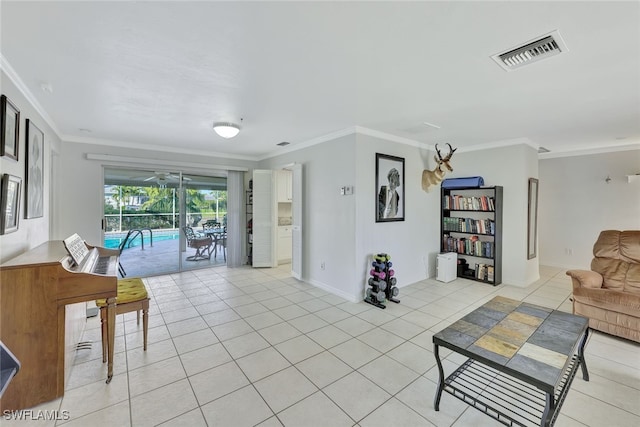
(505, 394)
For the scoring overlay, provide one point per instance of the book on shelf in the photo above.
(469, 225)
(468, 203)
(467, 245)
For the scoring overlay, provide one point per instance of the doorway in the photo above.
(277, 204)
(147, 213)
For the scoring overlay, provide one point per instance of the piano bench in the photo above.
(132, 296)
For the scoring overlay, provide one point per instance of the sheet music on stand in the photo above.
(76, 248)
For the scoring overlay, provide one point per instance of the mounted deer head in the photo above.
(432, 178)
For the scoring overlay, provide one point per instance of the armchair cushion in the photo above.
(614, 272)
(633, 279)
(585, 278)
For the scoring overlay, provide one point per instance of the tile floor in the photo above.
(246, 347)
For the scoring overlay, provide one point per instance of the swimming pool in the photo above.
(113, 240)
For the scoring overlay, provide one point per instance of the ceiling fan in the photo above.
(162, 178)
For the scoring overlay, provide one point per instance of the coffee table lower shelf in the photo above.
(508, 400)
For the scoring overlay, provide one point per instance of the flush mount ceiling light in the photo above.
(226, 129)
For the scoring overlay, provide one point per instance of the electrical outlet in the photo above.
(322, 265)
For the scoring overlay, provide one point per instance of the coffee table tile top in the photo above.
(533, 340)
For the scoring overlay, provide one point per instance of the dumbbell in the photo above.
(381, 296)
(389, 264)
(393, 281)
(394, 291)
(391, 272)
(380, 257)
(378, 265)
(379, 274)
(374, 282)
(378, 284)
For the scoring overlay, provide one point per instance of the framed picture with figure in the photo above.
(34, 171)
(9, 203)
(9, 128)
(389, 188)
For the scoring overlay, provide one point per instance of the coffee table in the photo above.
(522, 360)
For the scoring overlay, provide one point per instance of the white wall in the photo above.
(31, 232)
(576, 204)
(510, 167)
(328, 221)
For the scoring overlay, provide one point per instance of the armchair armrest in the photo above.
(586, 278)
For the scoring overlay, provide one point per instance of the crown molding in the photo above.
(500, 144)
(584, 151)
(311, 142)
(22, 87)
(389, 137)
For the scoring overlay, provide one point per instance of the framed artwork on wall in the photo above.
(34, 171)
(9, 203)
(532, 220)
(389, 188)
(9, 128)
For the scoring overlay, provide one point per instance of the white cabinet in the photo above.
(284, 186)
(284, 243)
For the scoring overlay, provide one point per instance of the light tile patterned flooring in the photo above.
(245, 347)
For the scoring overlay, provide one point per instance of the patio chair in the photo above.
(210, 225)
(221, 241)
(202, 245)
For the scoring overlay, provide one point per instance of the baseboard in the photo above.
(334, 291)
(564, 266)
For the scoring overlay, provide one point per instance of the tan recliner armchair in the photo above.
(609, 294)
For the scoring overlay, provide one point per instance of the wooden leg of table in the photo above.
(111, 335)
(145, 325)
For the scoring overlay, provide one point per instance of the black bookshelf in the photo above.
(471, 225)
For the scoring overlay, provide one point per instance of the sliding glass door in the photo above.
(157, 220)
(205, 208)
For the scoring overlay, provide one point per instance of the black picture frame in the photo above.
(532, 219)
(389, 201)
(9, 128)
(34, 171)
(9, 203)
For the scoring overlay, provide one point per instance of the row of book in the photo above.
(468, 203)
(468, 246)
(469, 225)
(485, 272)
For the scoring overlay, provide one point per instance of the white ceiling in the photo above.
(157, 74)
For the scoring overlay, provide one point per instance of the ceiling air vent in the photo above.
(541, 48)
(283, 143)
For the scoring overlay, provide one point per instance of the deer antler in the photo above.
(439, 155)
(451, 151)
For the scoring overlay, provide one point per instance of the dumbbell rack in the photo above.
(382, 282)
